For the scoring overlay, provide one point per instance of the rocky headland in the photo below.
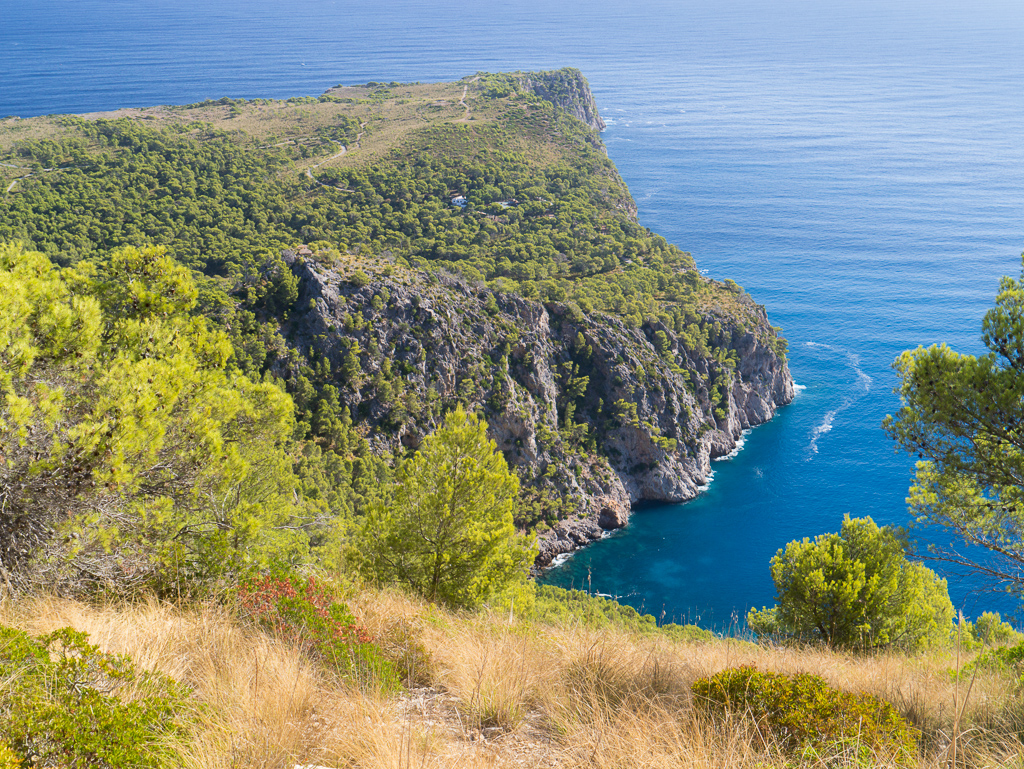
(444, 243)
(568, 90)
(594, 415)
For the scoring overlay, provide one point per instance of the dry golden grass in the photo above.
(487, 690)
(388, 123)
(14, 130)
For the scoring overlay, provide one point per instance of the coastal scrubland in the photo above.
(561, 683)
(386, 252)
(257, 354)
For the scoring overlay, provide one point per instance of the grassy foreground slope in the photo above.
(503, 690)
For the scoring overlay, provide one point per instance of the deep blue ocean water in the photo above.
(858, 166)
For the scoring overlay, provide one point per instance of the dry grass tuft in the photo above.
(263, 699)
(497, 672)
(662, 739)
(605, 674)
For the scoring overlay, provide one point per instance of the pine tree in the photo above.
(963, 416)
(125, 436)
(856, 589)
(446, 527)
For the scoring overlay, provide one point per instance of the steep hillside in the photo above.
(389, 250)
(575, 683)
(595, 415)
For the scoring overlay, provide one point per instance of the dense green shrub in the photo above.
(803, 714)
(764, 624)
(1006, 660)
(856, 589)
(990, 630)
(309, 613)
(65, 703)
(132, 448)
(8, 758)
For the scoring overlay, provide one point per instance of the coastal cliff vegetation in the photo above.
(387, 252)
(296, 393)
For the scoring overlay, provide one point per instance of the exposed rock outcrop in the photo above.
(567, 89)
(594, 415)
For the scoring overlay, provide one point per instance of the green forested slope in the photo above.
(226, 202)
(361, 182)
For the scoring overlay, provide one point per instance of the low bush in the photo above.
(309, 613)
(1006, 660)
(65, 703)
(8, 758)
(806, 716)
(990, 630)
(556, 605)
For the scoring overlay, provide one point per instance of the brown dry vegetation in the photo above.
(492, 690)
(391, 122)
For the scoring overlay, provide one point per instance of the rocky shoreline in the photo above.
(569, 536)
(658, 417)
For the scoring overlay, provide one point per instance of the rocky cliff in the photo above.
(594, 415)
(595, 411)
(567, 89)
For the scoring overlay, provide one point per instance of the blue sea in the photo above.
(858, 166)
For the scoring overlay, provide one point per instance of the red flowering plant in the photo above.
(309, 613)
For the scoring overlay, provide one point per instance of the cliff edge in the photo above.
(595, 416)
(567, 89)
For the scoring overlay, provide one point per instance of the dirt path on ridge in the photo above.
(462, 100)
(344, 150)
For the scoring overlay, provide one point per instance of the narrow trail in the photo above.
(462, 100)
(344, 150)
(30, 173)
(285, 143)
(309, 171)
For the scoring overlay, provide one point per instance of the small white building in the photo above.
(459, 201)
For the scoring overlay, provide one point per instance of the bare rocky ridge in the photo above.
(425, 341)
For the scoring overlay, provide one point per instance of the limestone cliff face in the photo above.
(567, 89)
(595, 416)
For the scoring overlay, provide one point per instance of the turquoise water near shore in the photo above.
(857, 166)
